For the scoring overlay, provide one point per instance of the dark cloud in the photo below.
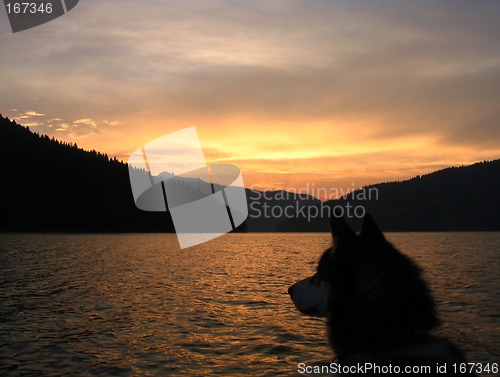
(416, 67)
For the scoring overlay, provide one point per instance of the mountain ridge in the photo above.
(72, 190)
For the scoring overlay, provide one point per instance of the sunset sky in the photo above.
(296, 93)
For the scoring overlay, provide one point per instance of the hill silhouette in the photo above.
(52, 186)
(452, 199)
(463, 198)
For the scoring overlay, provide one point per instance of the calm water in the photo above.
(136, 305)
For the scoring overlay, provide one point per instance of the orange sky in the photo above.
(297, 94)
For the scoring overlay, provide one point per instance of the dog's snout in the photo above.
(291, 288)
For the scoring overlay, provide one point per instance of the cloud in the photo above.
(31, 114)
(113, 123)
(86, 122)
(31, 124)
(304, 78)
(72, 130)
(61, 127)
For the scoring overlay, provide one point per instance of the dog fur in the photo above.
(377, 305)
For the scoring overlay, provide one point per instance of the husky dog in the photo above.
(378, 308)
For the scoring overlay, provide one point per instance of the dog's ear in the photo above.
(370, 230)
(340, 228)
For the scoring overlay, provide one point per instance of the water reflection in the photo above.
(137, 305)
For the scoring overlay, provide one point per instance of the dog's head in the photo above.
(365, 287)
(311, 295)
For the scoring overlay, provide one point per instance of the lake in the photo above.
(137, 305)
